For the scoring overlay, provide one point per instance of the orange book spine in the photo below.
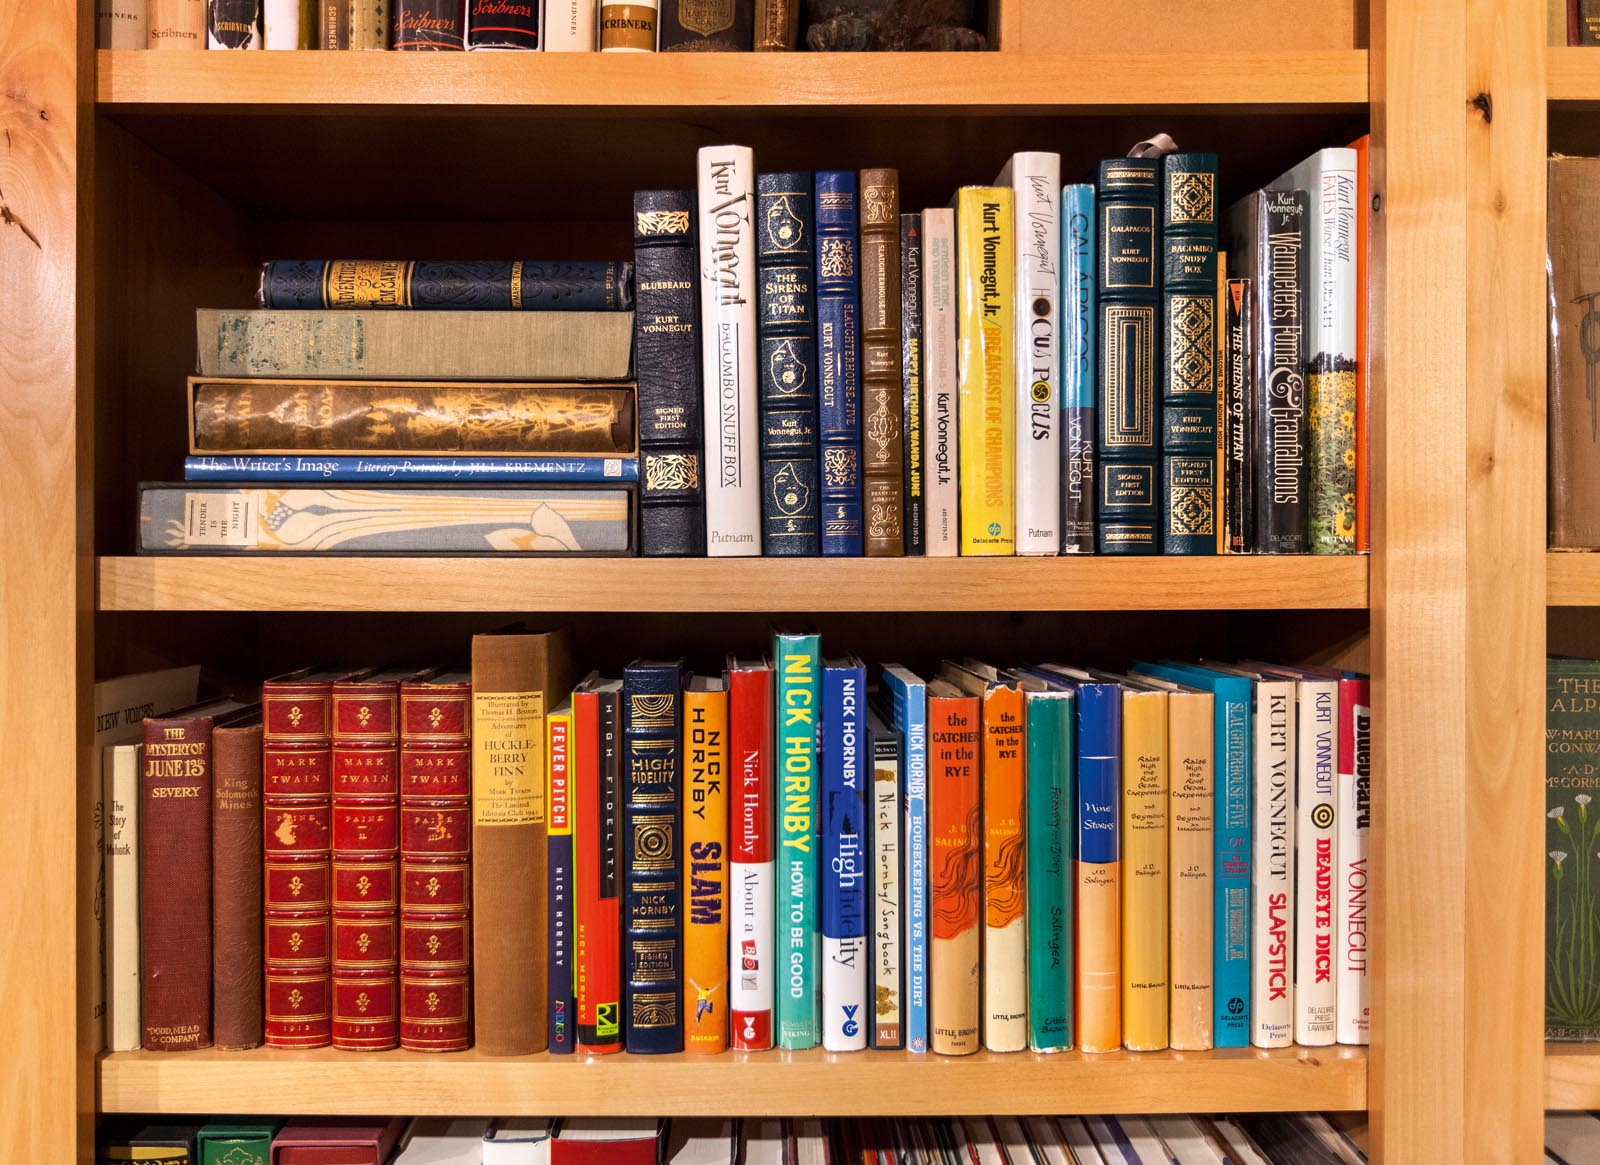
(1005, 860)
(705, 866)
(955, 869)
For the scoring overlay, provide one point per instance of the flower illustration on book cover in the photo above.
(1572, 941)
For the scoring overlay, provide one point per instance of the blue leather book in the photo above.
(786, 324)
(652, 826)
(1233, 701)
(313, 467)
(797, 664)
(471, 285)
(846, 767)
(1128, 297)
(839, 361)
(1077, 368)
(1189, 354)
(908, 707)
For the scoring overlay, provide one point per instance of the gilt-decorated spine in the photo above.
(787, 319)
(694, 26)
(474, 285)
(777, 25)
(882, 446)
(672, 514)
(429, 25)
(838, 348)
(916, 540)
(1078, 316)
(283, 25)
(369, 24)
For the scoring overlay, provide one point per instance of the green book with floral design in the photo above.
(1572, 849)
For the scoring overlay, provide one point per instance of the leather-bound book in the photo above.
(429, 25)
(336, 1141)
(236, 880)
(175, 781)
(777, 25)
(839, 370)
(883, 485)
(517, 676)
(672, 508)
(786, 322)
(435, 844)
(706, 26)
(1574, 266)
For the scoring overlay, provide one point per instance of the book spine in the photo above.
(786, 309)
(1005, 871)
(776, 25)
(1099, 875)
(1239, 447)
(1272, 868)
(728, 345)
(435, 873)
(569, 26)
(1078, 315)
(504, 24)
(797, 663)
(705, 870)
(1191, 890)
(1354, 818)
(940, 422)
(845, 860)
(985, 220)
(691, 26)
(839, 373)
(1219, 365)
(429, 25)
(122, 766)
(1316, 862)
(1036, 185)
(560, 747)
(121, 24)
(1145, 1002)
(236, 887)
(652, 823)
(751, 948)
(916, 542)
(629, 27)
(1232, 825)
(595, 831)
(1570, 956)
(1279, 402)
(369, 24)
(333, 17)
(882, 442)
(233, 24)
(474, 285)
(1050, 854)
(1189, 354)
(296, 790)
(177, 24)
(511, 470)
(910, 701)
(282, 26)
(672, 514)
(1127, 297)
(886, 929)
(1363, 246)
(955, 879)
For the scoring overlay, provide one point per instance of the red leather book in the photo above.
(236, 880)
(609, 1142)
(366, 848)
(175, 780)
(435, 862)
(596, 714)
(335, 1141)
(297, 829)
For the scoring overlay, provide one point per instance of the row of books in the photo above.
(778, 855)
(1263, 1139)
(570, 26)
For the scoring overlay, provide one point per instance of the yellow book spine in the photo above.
(705, 867)
(1144, 873)
(1190, 818)
(986, 320)
(1099, 1018)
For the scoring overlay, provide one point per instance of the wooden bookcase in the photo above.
(136, 186)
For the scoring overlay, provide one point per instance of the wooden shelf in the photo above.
(1572, 77)
(733, 1084)
(729, 585)
(1572, 1076)
(976, 83)
(1572, 580)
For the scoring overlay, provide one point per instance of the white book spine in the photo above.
(887, 1010)
(728, 347)
(569, 26)
(281, 19)
(120, 766)
(1272, 868)
(941, 466)
(751, 951)
(1329, 178)
(1079, 1140)
(1316, 863)
(1354, 818)
(1035, 178)
(844, 993)
(121, 24)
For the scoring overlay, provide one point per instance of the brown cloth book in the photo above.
(1574, 272)
(517, 677)
(883, 483)
(777, 25)
(236, 880)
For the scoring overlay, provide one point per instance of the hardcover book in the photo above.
(885, 928)
(504, 24)
(378, 344)
(295, 467)
(1354, 819)
(1078, 362)
(1050, 714)
(442, 1141)
(1035, 181)
(1099, 939)
(787, 321)
(233, 24)
(1189, 485)
(752, 953)
(1572, 744)
(333, 21)
(728, 345)
(1143, 838)
(911, 381)
(559, 763)
(907, 699)
(652, 823)
(131, 1139)
(839, 370)
(1574, 407)
(1127, 299)
(369, 24)
(177, 24)
(597, 726)
(1238, 452)
(672, 515)
(429, 25)
(628, 28)
(882, 443)
(986, 306)
(777, 25)
(235, 1142)
(705, 864)
(940, 428)
(569, 26)
(1364, 215)
(706, 26)
(955, 876)
(460, 285)
(323, 1140)
(121, 24)
(797, 674)
(283, 25)
(845, 860)
(236, 981)
(516, 676)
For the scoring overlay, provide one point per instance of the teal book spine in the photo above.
(798, 661)
(1050, 856)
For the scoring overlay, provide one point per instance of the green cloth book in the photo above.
(1051, 798)
(797, 662)
(241, 1142)
(1572, 839)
